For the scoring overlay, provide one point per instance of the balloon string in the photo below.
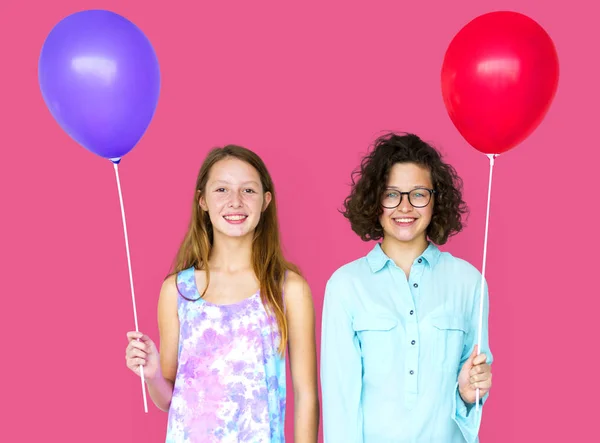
(116, 165)
(485, 241)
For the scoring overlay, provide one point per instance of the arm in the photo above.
(161, 386)
(465, 415)
(300, 317)
(341, 372)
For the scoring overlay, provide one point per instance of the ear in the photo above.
(202, 201)
(268, 198)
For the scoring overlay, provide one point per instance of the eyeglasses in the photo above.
(418, 198)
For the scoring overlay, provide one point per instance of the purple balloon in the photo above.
(100, 78)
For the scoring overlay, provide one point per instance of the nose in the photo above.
(404, 205)
(235, 201)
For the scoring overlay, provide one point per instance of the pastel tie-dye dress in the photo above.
(230, 383)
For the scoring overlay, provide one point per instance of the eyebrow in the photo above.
(251, 182)
(396, 188)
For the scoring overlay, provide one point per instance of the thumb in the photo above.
(473, 354)
(147, 341)
(468, 364)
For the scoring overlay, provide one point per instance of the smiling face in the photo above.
(234, 198)
(405, 223)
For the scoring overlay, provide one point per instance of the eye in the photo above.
(220, 190)
(391, 194)
(250, 191)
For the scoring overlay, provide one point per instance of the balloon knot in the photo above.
(492, 157)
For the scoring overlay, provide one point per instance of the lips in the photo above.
(404, 221)
(235, 219)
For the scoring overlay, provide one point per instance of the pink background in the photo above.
(308, 87)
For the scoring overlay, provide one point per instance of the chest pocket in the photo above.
(450, 331)
(378, 338)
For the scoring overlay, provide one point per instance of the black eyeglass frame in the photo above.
(402, 194)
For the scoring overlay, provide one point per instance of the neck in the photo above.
(231, 254)
(404, 253)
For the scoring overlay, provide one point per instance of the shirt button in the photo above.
(412, 342)
(420, 260)
(412, 312)
(412, 372)
(416, 285)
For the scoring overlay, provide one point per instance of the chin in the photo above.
(404, 237)
(236, 231)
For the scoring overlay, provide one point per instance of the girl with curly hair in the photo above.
(399, 357)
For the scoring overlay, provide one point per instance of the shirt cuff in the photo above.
(467, 417)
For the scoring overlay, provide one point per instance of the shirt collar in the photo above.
(377, 259)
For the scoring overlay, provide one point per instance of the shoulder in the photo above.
(350, 269)
(169, 291)
(449, 260)
(458, 267)
(347, 274)
(168, 299)
(295, 286)
(297, 297)
(169, 285)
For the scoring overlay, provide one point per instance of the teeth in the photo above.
(235, 217)
(404, 220)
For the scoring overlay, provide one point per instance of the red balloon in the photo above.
(499, 77)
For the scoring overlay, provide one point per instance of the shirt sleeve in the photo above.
(341, 372)
(465, 415)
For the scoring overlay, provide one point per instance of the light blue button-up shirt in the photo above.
(392, 348)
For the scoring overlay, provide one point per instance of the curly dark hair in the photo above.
(363, 206)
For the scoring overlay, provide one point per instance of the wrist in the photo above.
(154, 378)
(467, 399)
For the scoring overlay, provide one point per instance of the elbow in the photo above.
(306, 399)
(162, 405)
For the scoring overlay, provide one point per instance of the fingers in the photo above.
(135, 357)
(480, 377)
(480, 374)
(134, 335)
(480, 369)
(135, 352)
(138, 345)
(480, 381)
(479, 359)
(140, 341)
(482, 385)
(135, 363)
